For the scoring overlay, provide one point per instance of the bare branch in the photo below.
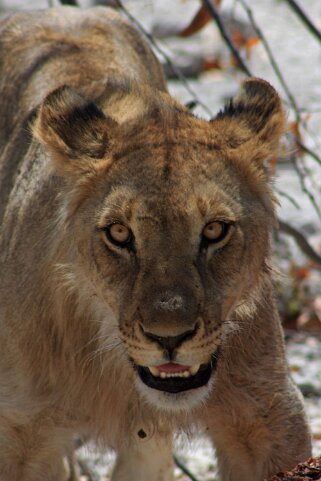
(305, 19)
(301, 241)
(229, 42)
(183, 468)
(304, 188)
(281, 193)
(308, 151)
(74, 3)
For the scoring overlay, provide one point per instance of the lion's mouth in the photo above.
(174, 378)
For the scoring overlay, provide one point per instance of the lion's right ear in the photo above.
(75, 130)
(253, 122)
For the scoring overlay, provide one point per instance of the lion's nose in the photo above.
(168, 302)
(169, 315)
(169, 343)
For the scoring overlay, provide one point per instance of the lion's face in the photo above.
(169, 220)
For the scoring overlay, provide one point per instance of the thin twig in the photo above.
(174, 68)
(184, 469)
(308, 151)
(301, 241)
(281, 193)
(73, 3)
(305, 19)
(304, 188)
(224, 33)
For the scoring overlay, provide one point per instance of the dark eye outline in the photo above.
(128, 243)
(205, 241)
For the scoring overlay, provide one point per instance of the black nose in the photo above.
(169, 343)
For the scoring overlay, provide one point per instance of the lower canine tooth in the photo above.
(154, 371)
(194, 369)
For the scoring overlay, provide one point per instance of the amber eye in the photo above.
(119, 234)
(215, 231)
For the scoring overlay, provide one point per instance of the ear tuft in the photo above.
(74, 129)
(256, 112)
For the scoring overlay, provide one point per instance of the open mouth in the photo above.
(174, 378)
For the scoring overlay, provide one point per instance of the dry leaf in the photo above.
(212, 63)
(249, 44)
(201, 19)
(300, 273)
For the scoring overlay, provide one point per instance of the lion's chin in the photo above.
(175, 401)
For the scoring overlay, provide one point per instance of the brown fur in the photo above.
(112, 146)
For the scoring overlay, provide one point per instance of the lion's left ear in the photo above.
(75, 130)
(254, 119)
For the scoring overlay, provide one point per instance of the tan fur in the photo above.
(110, 145)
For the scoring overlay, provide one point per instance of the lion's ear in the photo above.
(255, 116)
(75, 130)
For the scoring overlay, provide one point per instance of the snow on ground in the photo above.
(304, 358)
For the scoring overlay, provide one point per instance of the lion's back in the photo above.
(65, 45)
(70, 46)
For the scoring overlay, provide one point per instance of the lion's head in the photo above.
(166, 220)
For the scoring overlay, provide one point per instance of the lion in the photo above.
(136, 295)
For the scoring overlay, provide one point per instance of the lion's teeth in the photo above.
(166, 375)
(194, 369)
(154, 371)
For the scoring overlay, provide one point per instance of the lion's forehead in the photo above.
(175, 202)
(173, 174)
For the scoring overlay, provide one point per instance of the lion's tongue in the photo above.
(172, 368)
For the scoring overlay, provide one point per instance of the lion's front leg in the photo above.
(33, 450)
(145, 460)
(256, 438)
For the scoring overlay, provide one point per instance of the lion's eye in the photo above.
(215, 231)
(119, 234)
